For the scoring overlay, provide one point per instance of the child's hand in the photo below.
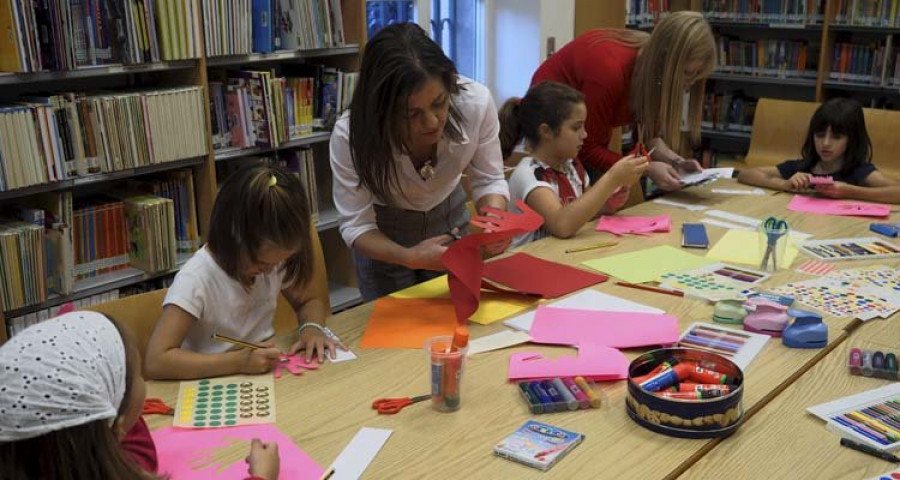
(260, 360)
(835, 190)
(616, 201)
(627, 170)
(426, 255)
(315, 343)
(263, 460)
(799, 181)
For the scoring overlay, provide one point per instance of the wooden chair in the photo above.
(140, 312)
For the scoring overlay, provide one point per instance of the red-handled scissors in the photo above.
(390, 406)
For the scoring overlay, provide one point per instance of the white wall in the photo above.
(557, 20)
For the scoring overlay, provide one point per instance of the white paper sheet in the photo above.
(496, 341)
(359, 453)
(705, 175)
(737, 191)
(727, 225)
(686, 206)
(749, 221)
(585, 300)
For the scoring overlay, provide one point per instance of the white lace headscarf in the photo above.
(66, 371)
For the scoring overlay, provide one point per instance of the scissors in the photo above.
(390, 406)
(775, 229)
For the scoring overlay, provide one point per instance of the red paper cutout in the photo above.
(463, 259)
(533, 275)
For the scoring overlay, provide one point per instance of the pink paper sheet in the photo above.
(622, 224)
(830, 206)
(295, 364)
(566, 326)
(189, 454)
(593, 361)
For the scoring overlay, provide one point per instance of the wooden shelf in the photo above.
(89, 72)
(343, 297)
(732, 77)
(102, 283)
(726, 134)
(279, 56)
(328, 219)
(862, 87)
(815, 27)
(863, 29)
(100, 178)
(317, 137)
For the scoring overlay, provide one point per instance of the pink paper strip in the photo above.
(829, 206)
(189, 454)
(622, 224)
(566, 326)
(593, 361)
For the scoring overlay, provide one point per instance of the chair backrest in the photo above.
(779, 129)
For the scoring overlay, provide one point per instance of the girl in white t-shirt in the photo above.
(552, 180)
(258, 246)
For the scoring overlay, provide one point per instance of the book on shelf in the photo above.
(645, 12)
(42, 35)
(177, 186)
(869, 13)
(227, 27)
(151, 232)
(262, 109)
(767, 58)
(57, 137)
(868, 63)
(728, 112)
(23, 263)
(301, 162)
(803, 12)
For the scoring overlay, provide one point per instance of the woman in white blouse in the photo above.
(414, 126)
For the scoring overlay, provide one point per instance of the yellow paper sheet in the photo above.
(493, 306)
(742, 246)
(647, 265)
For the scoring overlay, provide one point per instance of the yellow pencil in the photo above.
(592, 247)
(234, 341)
(328, 474)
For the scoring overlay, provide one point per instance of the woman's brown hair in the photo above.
(83, 452)
(397, 61)
(261, 205)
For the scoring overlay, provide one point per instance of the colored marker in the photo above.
(668, 377)
(566, 394)
(705, 375)
(719, 344)
(533, 402)
(543, 396)
(595, 399)
(665, 365)
(867, 363)
(683, 395)
(701, 387)
(557, 397)
(859, 447)
(583, 400)
(890, 364)
(878, 361)
(855, 361)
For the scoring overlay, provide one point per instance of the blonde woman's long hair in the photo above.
(657, 82)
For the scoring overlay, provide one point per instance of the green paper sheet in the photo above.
(741, 246)
(647, 265)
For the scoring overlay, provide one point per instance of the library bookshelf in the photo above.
(195, 71)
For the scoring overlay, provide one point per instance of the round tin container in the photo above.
(708, 418)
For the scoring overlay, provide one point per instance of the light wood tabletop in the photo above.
(322, 410)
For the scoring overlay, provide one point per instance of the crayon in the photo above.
(855, 361)
(867, 363)
(533, 401)
(583, 400)
(890, 364)
(870, 434)
(595, 399)
(705, 375)
(566, 394)
(543, 396)
(878, 361)
(706, 341)
(557, 397)
(667, 377)
(889, 433)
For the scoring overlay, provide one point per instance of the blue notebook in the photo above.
(537, 444)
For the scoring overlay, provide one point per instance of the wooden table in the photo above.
(322, 410)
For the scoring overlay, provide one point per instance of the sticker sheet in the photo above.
(714, 282)
(226, 402)
(858, 293)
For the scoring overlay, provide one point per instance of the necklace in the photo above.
(426, 170)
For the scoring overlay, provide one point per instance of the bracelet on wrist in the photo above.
(313, 325)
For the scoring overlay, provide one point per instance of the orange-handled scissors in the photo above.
(390, 406)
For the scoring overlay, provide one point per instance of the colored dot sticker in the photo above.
(204, 382)
(218, 387)
(230, 422)
(199, 424)
(216, 410)
(215, 424)
(230, 416)
(215, 417)
(203, 394)
(200, 411)
(231, 404)
(216, 405)
(200, 417)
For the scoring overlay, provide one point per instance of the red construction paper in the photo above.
(528, 274)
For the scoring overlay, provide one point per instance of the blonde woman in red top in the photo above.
(629, 77)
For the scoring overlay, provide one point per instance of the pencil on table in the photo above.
(592, 247)
(650, 289)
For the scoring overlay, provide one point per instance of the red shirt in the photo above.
(600, 69)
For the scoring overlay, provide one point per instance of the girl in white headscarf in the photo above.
(70, 389)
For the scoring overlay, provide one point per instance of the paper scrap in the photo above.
(738, 191)
(623, 224)
(726, 225)
(407, 323)
(502, 339)
(493, 306)
(832, 206)
(566, 326)
(753, 222)
(740, 246)
(359, 453)
(529, 274)
(201, 454)
(584, 300)
(647, 265)
(706, 175)
(593, 361)
(686, 206)
(295, 364)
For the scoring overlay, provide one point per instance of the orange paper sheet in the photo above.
(408, 322)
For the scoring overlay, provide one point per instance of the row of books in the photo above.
(53, 138)
(296, 24)
(728, 112)
(15, 325)
(23, 263)
(769, 58)
(873, 13)
(39, 35)
(645, 12)
(262, 109)
(870, 63)
(300, 161)
(228, 27)
(766, 11)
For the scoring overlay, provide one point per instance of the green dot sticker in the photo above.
(200, 411)
(215, 417)
(215, 410)
(218, 387)
(231, 416)
(231, 404)
(204, 382)
(199, 424)
(200, 417)
(217, 404)
(203, 394)
(231, 398)
(215, 424)
(230, 422)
